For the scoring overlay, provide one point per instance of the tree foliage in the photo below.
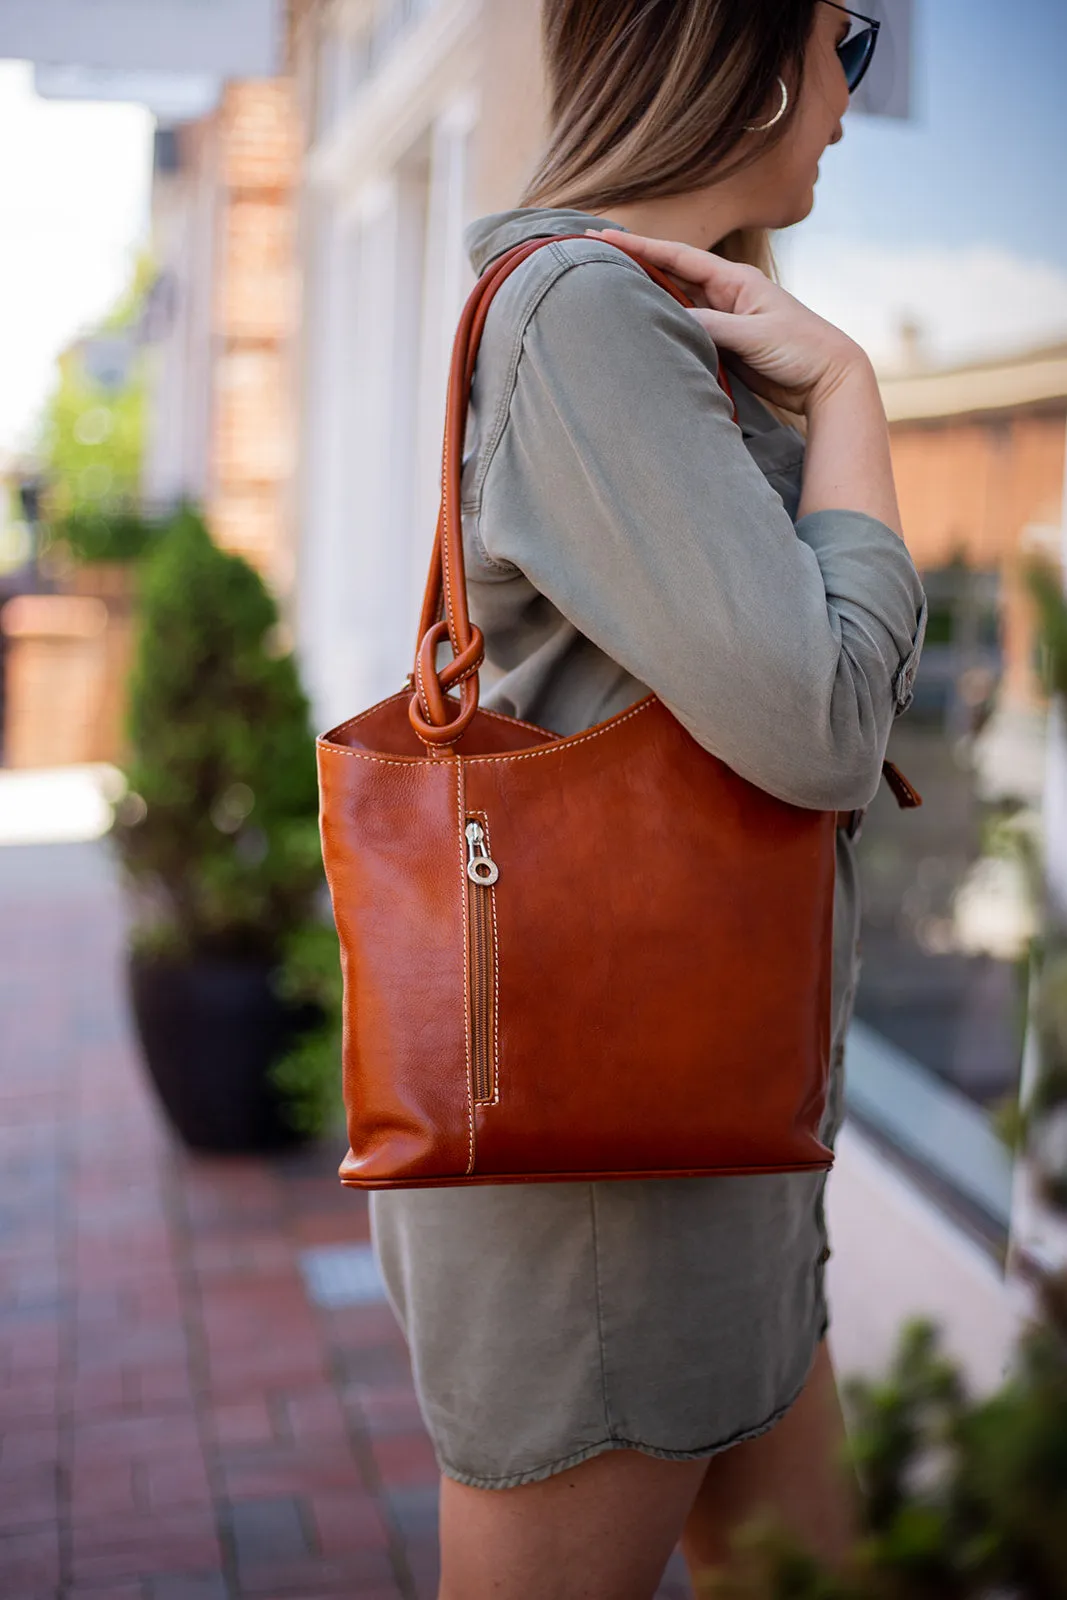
(92, 437)
(963, 1499)
(1046, 587)
(107, 533)
(218, 833)
(308, 1075)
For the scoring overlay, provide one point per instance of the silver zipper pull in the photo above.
(481, 868)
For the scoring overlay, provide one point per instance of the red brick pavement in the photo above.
(177, 1420)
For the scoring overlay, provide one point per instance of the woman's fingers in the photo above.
(738, 336)
(750, 315)
(724, 327)
(720, 281)
(744, 336)
(697, 266)
(662, 252)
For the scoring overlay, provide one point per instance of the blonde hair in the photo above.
(652, 97)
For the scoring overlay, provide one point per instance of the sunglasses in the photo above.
(855, 52)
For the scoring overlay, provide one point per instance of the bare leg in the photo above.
(603, 1531)
(795, 1473)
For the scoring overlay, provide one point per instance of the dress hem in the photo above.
(516, 1480)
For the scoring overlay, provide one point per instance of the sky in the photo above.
(956, 219)
(74, 181)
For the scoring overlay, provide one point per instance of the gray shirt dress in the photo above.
(622, 535)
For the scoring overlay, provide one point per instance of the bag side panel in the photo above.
(392, 846)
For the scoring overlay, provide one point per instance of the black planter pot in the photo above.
(210, 1031)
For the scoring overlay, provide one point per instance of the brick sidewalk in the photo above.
(187, 1411)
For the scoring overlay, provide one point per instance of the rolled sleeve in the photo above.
(903, 683)
(859, 558)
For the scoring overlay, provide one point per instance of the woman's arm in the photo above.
(847, 461)
(618, 482)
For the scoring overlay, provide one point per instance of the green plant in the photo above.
(92, 434)
(311, 971)
(1045, 1115)
(218, 830)
(1046, 587)
(96, 533)
(964, 1500)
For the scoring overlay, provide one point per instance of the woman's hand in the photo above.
(796, 360)
(786, 353)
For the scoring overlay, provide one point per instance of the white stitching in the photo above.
(419, 684)
(326, 740)
(575, 739)
(496, 993)
(562, 745)
(444, 525)
(494, 1098)
(501, 716)
(466, 969)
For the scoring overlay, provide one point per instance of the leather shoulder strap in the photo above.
(444, 606)
(904, 792)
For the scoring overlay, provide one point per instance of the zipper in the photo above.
(482, 873)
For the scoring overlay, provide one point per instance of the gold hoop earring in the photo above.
(761, 127)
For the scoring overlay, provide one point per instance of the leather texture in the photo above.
(555, 949)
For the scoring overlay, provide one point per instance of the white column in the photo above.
(329, 635)
(163, 475)
(1055, 800)
(362, 459)
(1037, 1232)
(372, 372)
(447, 281)
(180, 420)
(415, 250)
(384, 301)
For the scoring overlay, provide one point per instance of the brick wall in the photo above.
(974, 486)
(256, 311)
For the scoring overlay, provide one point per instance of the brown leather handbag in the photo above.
(599, 956)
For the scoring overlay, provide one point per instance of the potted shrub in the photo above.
(218, 837)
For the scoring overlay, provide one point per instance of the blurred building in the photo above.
(224, 308)
(979, 455)
(223, 419)
(418, 115)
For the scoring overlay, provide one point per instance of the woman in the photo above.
(608, 1368)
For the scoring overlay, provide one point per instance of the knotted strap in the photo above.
(444, 606)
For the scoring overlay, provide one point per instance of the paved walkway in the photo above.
(202, 1395)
